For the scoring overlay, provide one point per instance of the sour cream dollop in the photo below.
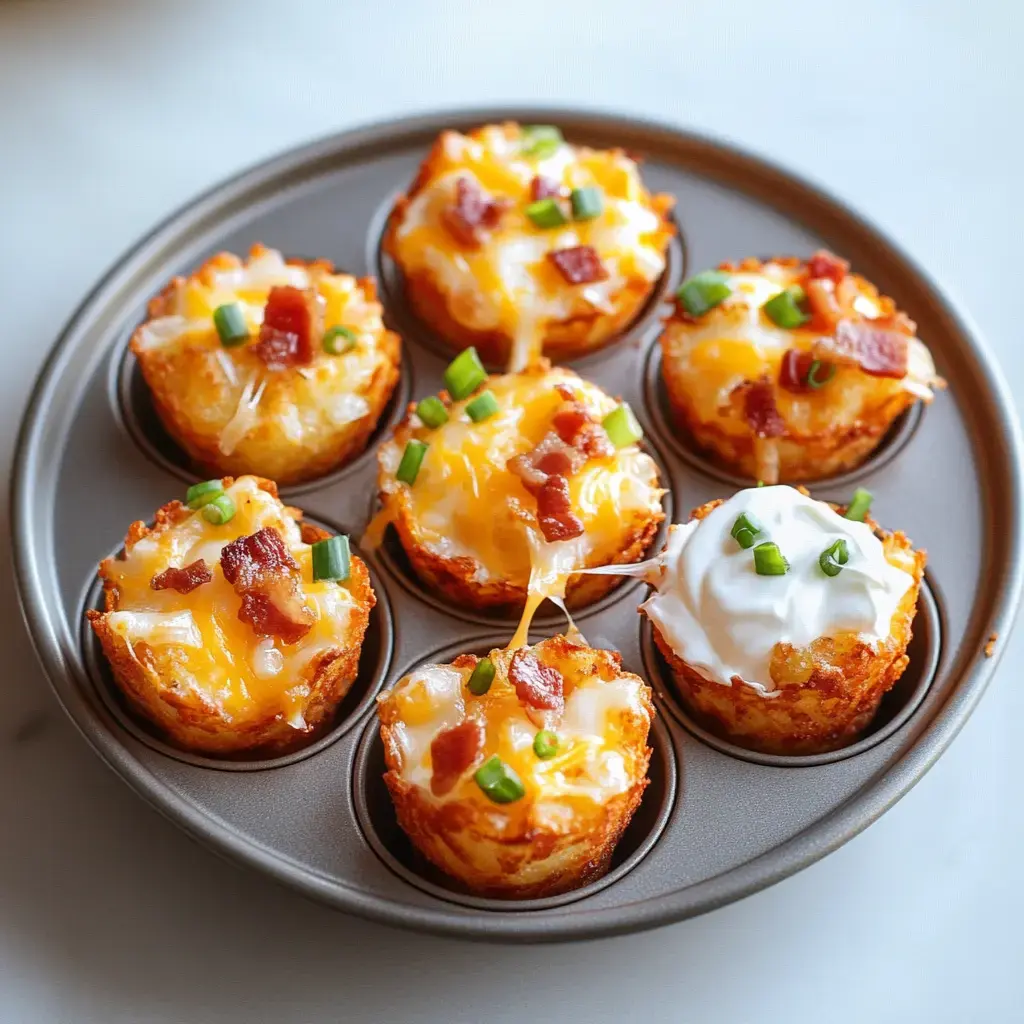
(724, 620)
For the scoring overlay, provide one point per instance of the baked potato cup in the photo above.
(511, 799)
(812, 694)
(290, 399)
(799, 402)
(477, 234)
(186, 660)
(472, 523)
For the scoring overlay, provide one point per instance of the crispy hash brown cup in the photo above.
(824, 693)
(516, 242)
(790, 370)
(517, 774)
(267, 366)
(482, 510)
(218, 634)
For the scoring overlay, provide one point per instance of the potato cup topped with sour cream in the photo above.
(785, 620)
(516, 774)
(276, 367)
(790, 370)
(232, 626)
(518, 243)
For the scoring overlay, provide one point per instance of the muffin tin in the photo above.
(717, 822)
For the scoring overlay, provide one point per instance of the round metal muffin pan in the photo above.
(717, 822)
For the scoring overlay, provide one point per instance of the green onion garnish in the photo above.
(586, 203)
(768, 560)
(859, 505)
(744, 530)
(813, 380)
(464, 375)
(202, 494)
(784, 309)
(483, 406)
(499, 782)
(339, 339)
(481, 678)
(546, 213)
(409, 467)
(220, 510)
(545, 744)
(331, 559)
(704, 291)
(621, 426)
(432, 411)
(833, 558)
(541, 140)
(230, 323)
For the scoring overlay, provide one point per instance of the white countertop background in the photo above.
(114, 113)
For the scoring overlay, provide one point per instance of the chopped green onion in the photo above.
(409, 467)
(833, 558)
(586, 203)
(339, 339)
(464, 375)
(202, 494)
(744, 530)
(432, 411)
(499, 782)
(545, 744)
(541, 140)
(481, 678)
(230, 323)
(219, 511)
(768, 560)
(621, 426)
(813, 380)
(482, 407)
(331, 559)
(859, 505)
(704, 291)
(784, 309)
(546, 213)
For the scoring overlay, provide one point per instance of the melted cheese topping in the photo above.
(507, 284)
(591, 765)
(737, 342)
(214, 654)
(232, 390)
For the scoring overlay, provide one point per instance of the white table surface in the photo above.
(114, 113)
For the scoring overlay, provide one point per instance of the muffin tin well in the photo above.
(716, 822)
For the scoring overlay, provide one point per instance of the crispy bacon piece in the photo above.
(577, 427)
(552, 456)
(822, 302)
(266, 577)
(544, 188)
(537, 685)
(452, 752)
(286, 335)
(579, 264)
(760, 410)
(554, 511)
(183, 580)
(472, 213)
(793, 370)
(826, 264)
(878, 351)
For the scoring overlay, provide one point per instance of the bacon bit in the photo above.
(794, 369)
(826, 264)
(551, 456)
(565, 391)
(286, 335)
(760, 410)
(822, 303)
(183, 580)
(472, 213)
(263, 572)
(544, 188)
(554, 511)
(579, 264)
(577, 427)
(452, 752)
(877, 351)
(537, 685)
